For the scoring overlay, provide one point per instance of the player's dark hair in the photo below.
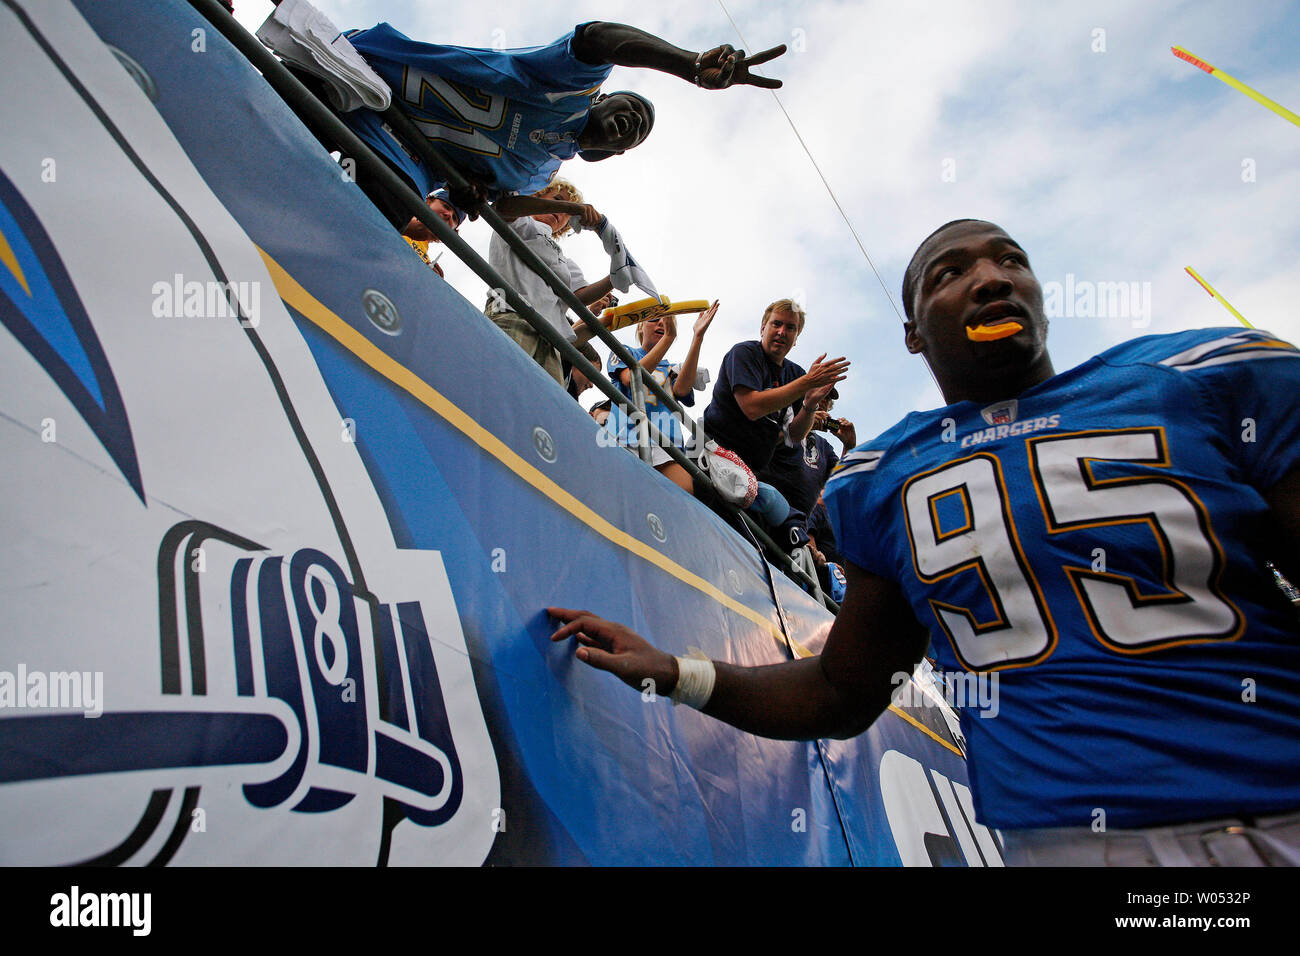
(911, 274)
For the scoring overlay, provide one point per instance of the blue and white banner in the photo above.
(280, 513)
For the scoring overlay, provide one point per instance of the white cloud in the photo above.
(1114, 166)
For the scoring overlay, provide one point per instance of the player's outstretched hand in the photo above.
(725, 66)
(612, 647)
(589, 217)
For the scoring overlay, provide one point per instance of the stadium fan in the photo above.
(1095, 539)
(508, 118)
(562, 202)
(575, 382)
(826, 558)
(760, 393)
(600, 411)
(656, 337)
(799, 468)
(417, 233)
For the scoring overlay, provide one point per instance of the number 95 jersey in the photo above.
(1095, 548)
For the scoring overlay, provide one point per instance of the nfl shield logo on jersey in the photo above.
(1001, 413)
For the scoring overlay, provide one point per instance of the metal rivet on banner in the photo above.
(381, 312)
(137, 72)
(543, 443)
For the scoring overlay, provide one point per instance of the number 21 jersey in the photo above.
(509, 118)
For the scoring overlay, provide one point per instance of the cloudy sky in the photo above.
(1074, 128)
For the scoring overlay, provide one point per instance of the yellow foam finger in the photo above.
(689, 305)
(620, 317)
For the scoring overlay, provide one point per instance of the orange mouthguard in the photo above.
(991, 333)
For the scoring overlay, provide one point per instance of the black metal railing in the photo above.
(322, 120)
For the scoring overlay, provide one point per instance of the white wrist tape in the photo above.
(695, 679)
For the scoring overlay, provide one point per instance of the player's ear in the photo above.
(915, 344)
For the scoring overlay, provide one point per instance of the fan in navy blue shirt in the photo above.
(799, 469)
(759, 392)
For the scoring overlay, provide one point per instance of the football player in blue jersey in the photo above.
(1096, 539)
(508, 118)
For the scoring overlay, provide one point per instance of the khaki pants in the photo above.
(1262, 841)
(528, 339)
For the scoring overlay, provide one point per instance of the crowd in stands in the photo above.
(765, 408)
(547, 219)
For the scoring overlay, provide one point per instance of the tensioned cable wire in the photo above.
(831, 192)
(825, 182)
(821, 751)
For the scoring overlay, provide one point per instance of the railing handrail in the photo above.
(403, 124)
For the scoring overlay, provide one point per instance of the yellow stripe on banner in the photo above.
(11, 261)
(295, 295)
(894, 708)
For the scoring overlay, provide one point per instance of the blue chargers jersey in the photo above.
(1098, 544)
(506, 118)
(665, 373)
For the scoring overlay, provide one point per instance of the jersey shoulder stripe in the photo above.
(868, 456)
(1241, 347)
(857, 466)
(862, 455)
(1200, 349)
